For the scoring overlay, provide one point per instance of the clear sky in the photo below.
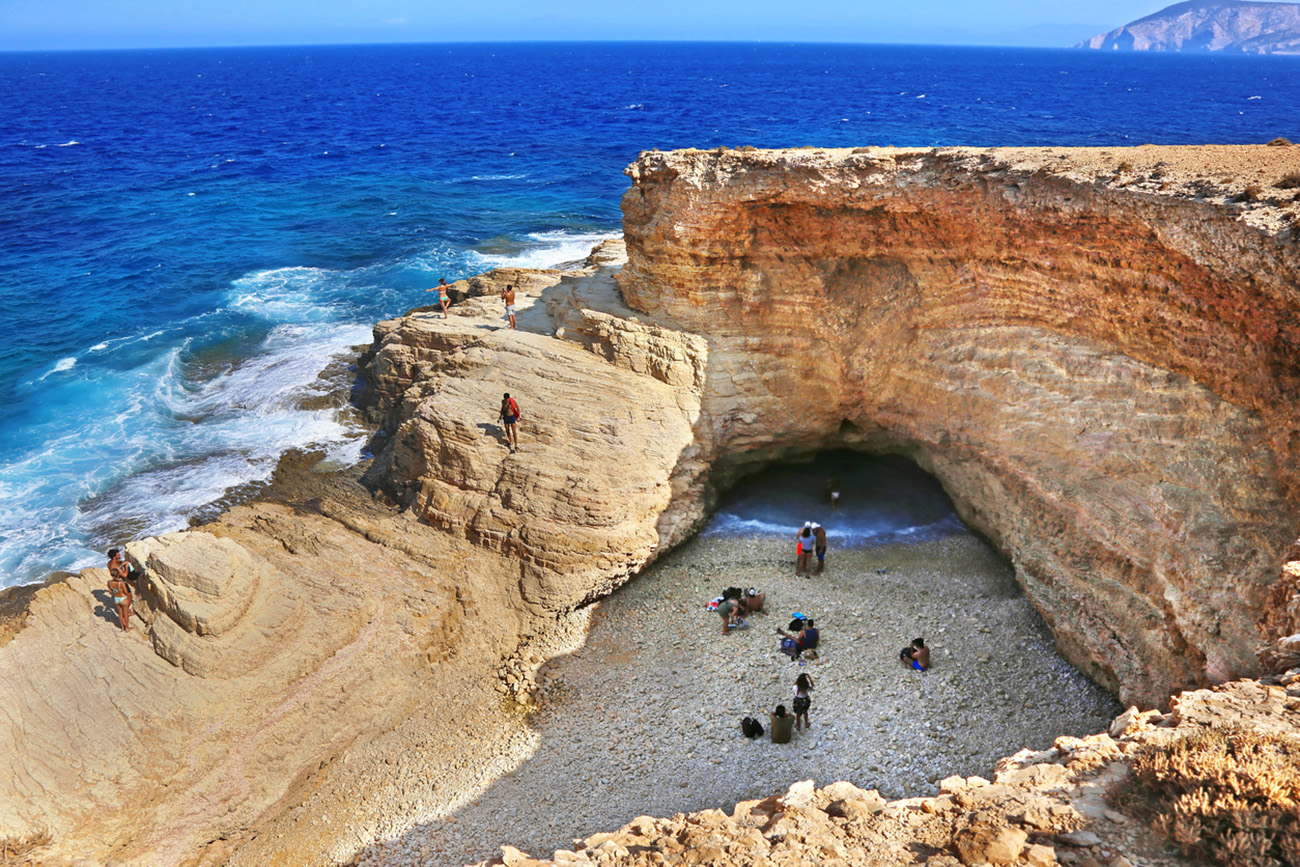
(77, 24)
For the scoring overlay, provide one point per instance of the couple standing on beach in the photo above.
(811, 539)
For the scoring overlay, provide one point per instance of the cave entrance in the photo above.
(881, 499)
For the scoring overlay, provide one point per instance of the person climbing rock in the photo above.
(509, 418)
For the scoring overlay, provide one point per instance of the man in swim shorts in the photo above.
(508, 296)
(441, 298)
(819, 539)
(509, 416)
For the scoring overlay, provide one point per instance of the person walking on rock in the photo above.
(782, 725)
(803, 685)
(510, 417)
(441, 298)
(508, 296)
(804, 543)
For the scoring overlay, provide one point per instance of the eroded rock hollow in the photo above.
(1102, 374)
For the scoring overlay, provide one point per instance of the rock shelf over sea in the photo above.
(1097, 351)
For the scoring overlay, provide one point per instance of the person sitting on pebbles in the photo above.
(806, 639)
(916, 655)
(782, 725)
(753, 601)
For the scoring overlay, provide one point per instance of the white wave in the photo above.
(1252, 97)
(63, 364)
(497, 177)
(547, 250)
(68, 144)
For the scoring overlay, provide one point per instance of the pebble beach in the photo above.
(644, 717)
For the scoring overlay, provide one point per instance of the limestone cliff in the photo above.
(1235, 26)
(1101, 373)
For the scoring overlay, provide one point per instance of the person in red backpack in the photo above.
(509, 416)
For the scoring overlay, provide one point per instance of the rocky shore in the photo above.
(1095, 352)
(643, 719)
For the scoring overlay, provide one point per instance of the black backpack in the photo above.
(751, 728)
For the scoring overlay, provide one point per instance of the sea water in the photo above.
(188, 237)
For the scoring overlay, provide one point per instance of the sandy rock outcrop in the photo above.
(1100, 369)
(607, 415)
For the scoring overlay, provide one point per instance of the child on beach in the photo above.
(803, 685)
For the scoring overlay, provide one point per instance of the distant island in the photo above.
(1234, 26)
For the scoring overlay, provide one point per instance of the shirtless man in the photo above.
(441, 298)
(509, 416)
(508, 296)
(819, 538)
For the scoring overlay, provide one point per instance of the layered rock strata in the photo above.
(1102, 374)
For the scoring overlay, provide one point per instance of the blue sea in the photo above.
(188, 237)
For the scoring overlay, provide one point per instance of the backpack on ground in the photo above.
(751, 728)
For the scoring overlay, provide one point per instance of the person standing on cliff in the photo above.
(508, 296)
(509, 417)
(441, 298)
(121, 599)
(803, 551)
(819, 540)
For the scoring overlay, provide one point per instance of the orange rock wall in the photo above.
(1103, 378)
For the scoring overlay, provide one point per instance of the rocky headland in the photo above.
(1232, 26)
(1095, 350)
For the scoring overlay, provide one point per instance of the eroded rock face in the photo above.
(1103, 377)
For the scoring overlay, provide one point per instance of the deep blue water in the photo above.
(188, 236)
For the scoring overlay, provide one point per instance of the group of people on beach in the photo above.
(800, 639)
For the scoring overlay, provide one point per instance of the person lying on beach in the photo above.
(782, 725)
(441, 298)
(121, 600)
(916, 655)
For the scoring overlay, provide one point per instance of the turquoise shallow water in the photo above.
(187, 237)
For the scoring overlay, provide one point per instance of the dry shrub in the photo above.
(1280, 142)
(1250, 194)
(1288, 182)
(1230, 796)
(23, 852)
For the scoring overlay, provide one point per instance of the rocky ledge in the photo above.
(1076, 803)
(1094, 350)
